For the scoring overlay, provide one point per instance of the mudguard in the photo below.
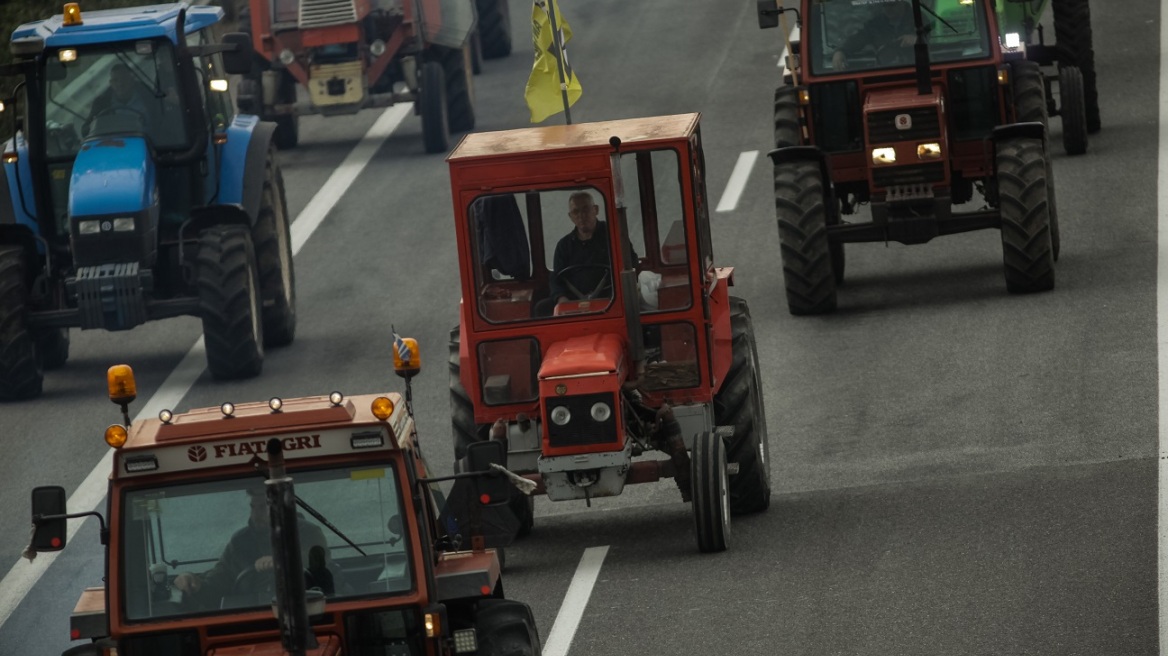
(113, 175)
(241, 174)
(1028, 130)
(16, 197)
(805, 154)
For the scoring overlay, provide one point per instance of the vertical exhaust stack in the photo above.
(291, 603)
(921, 50)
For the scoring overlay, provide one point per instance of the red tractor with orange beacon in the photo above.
(580, 367)
(293, 526)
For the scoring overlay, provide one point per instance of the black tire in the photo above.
(739, 404)
(787, 130)
(435, 124)
(287, 125)
(1029, 92)
(272, 236)
(1073, 110)
(459, 88)
(227, 278)
(1027, 246)
(506, 628)
(53, 347)
(494, 28)
(465, 431)
(21, 374)
(808, 274)
(1074, 40)
(711, 494)
(476, 52)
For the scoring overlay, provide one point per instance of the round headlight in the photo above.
(275, 403)
(228, 409)
(561, 415)
(336, 398)
(377, 48)
(601, 411)
(165, 416)
(287, 57)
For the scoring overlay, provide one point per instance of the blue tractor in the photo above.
(131, 191)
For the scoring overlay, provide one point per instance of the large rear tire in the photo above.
(21, 373)
(273, 244)
(739, 404)
(1074, 40)
(506, 628)
(456, 67)
(1027, 245)
(229, 302)
(711, 494)
(1073, 110)
(787, 130)
(53, 347)
(435, 121)
(808, 274)
(494, 28)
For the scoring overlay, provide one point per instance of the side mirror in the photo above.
(240, 59)
(768, 14)
(49, 534)
(479, 457)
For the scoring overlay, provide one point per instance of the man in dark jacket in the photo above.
(890, 32)
(586, 247)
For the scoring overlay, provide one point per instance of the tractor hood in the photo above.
(900, 98)
(578, 356)
(112, 175)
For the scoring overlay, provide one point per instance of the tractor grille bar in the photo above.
(888, 176)
(882, 126)
(322, 13)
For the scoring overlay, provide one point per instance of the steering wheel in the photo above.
(892, 52)
(252, 580)
(604, 284)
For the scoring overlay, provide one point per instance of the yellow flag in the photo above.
(544, 93)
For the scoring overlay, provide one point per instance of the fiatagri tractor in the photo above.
(910, 124)
(294, 526)
(1073, 54)
(161, 204)
(646, 350)
(348, 55)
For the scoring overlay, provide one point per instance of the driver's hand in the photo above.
(188, 582)
(839, 61)
(263, 563)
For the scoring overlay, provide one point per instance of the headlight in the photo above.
(89, 227)
(601, 411)
(561, 415)
(377, 48)
(929, 151)
(1013, 40)
(124, 225)
(883, 155)
(287, 57)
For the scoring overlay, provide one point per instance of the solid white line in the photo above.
(1162, 332)
(91, 493)
(568, 619)
(737, 181)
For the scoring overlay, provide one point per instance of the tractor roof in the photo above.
(112, 25)
(575, 137)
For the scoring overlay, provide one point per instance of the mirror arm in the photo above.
(37, 520)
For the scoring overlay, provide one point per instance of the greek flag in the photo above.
(403, 349)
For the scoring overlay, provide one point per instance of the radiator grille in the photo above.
(322, 13)
(905, 175)
(882, 126)
(582, 429)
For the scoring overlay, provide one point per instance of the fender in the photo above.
(241, 174)
(1028, 130)
(806, 154)
(16, 192)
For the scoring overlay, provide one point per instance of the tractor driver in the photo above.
(124, 96)
(890, 29)
(250, 550)
(586, 247)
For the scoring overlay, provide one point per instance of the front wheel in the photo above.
(710, 493)
(1073, 110)
(227, 278)
(272, 236)
(435, 122)
(808, 274)
(21, 374)
(506, 628)
(494, 28)
(739, 404)
(1027, 245)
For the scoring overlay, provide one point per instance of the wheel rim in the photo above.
(724, 493)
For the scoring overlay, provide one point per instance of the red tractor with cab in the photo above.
(594, 325)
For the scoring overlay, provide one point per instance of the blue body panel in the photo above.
(127, 24)
(234, 159)
(112, 175)
(22, 189)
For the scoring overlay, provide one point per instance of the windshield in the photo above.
(112, 89)
(204, 547)
(862, 35)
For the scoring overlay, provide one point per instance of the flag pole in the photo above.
(551, 6)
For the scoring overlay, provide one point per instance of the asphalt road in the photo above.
(956, 470)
